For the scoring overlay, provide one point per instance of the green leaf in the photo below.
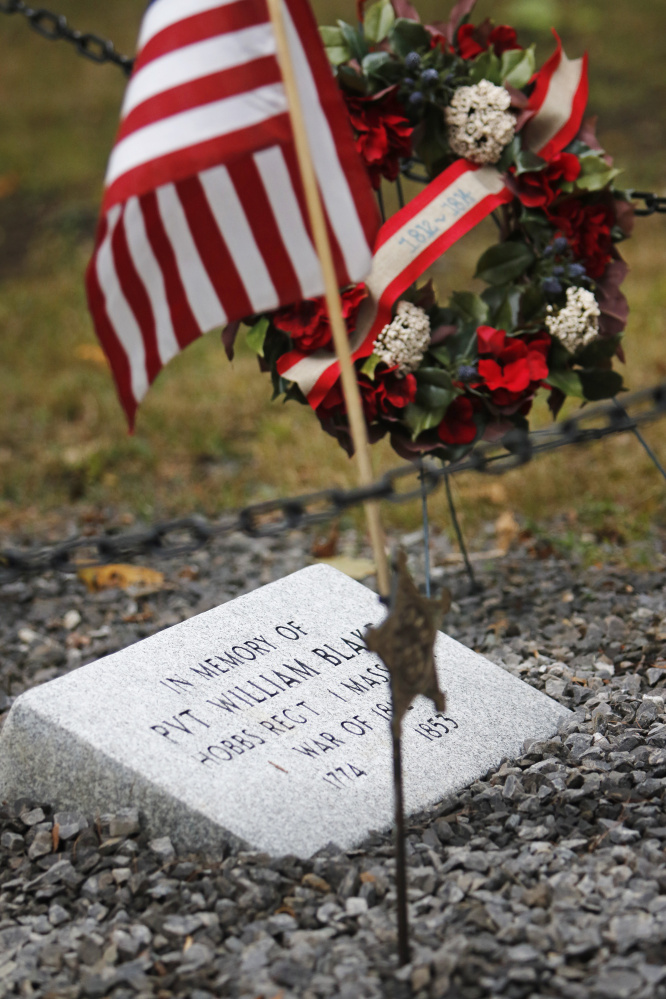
(531, 303)
(432, 147)
(337, 49)
(350, 80)
(370, 365)
(379, 19)
(503, 304)
(471, 307)
(408, 36)
(434, 376)
(486, 67)
(433, 396)
(354, 40)
(504, 262)
(528, 162)
(601, 384)
(595, 173)
(257, 335)
(419, 419)
(566, 381)
(517, 67)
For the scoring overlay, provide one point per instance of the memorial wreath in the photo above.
(497, 136)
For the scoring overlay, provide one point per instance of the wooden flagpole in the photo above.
(322, 243)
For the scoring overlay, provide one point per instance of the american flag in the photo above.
(204, 218)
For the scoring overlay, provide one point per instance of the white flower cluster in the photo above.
(480, 124)
(577, 324)
(405, 340)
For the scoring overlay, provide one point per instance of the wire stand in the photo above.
(401, 195)
(474, 585)
(380, 202)
(400, 849)
(426, 529)
(648, 450)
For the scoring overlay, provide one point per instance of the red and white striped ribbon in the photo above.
(448, 208)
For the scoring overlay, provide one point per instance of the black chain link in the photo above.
(178, 537)
(55, 28)
(653, 202)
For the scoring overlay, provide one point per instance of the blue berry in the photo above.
(548, 251)
(429, 76)
(416, 98)
(466, 372)
(412, 61)
(551, 286)
(561, 244)
(558, 271)
(577, 271)
(408, 81)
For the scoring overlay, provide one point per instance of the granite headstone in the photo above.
(265, 719)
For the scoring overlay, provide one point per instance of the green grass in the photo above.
(208, 437)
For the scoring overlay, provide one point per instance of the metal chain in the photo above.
(55, 28)
(400, 485)
(653, 202)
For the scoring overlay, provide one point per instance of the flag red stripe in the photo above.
(250, 189)
(213, 250)
(183, 321)
(200, 27)
(194, 159)
(106, 333)
(338, 119)
(187, 96)
(137, 298)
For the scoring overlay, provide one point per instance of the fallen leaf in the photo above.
(287, 909)
(506, 530)
(188, 943)
(91, 352)
(326, 547)
(9, 183)
(357, 568)
(55, 835)
(122, 577)
(366, 877)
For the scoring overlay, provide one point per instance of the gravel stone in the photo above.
(544, 879)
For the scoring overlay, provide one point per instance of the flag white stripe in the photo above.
(152, 278)
(188, 128)
(334, 186)
(119, 312)
(286, 209)
(202, 297)
(232, 222)
(192, 62)
(163, 13)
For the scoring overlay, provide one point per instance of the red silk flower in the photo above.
(588, 229)
(472, 41)
(381, 396)
(307, 322)
(383, 134)
(458, 426)
(539, 188)
(511, 367)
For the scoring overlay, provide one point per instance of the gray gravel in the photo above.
(546, 878)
